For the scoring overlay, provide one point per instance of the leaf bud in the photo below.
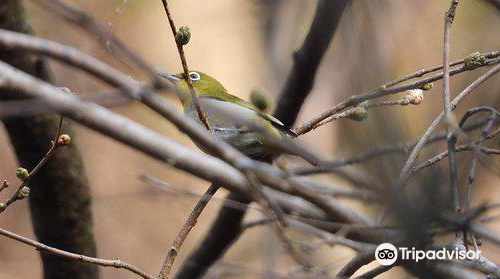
(427, 86)
(23, 193)
(183, 35)
(259, 100)
(22, 173)
(474, 60)
(358, 113)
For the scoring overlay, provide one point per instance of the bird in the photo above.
(230, 118)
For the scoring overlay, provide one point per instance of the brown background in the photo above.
(377, 41)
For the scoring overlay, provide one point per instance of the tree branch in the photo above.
(76, 257)
(449, 16)
(180, 49)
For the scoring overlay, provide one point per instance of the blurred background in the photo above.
(247, 45)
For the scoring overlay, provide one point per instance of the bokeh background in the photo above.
(247, 45)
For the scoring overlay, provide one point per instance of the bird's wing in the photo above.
(271, 119)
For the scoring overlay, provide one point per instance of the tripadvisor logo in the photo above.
(387, 254)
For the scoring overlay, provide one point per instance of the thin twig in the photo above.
(448, 20)
(441, 156)
(77, 257)
(470, 180)
(270, 206)
(401, 147)
(54, 145)
(474, 145)
(184, 232)
(180, 49)
(405, 172)
(349, 112)
(385, 90)
(167, 187)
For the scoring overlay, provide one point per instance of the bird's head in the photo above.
(203, 84)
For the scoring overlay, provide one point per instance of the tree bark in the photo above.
(59, 200)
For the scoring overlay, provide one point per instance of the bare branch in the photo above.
(76, 257)
(385, 90)
(186, 228)
(180, 49)
(404, 174)
(448, 20)
(17, 194)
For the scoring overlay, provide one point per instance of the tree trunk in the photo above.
(60, 201)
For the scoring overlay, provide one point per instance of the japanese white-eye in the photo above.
(228, 116)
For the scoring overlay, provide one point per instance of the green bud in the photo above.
(22, 173)
(3, 206)
(358, 114)
(259, 100)
(427, 86)
(23, 193)
(382, 88)
(474, 60)
(183, 35)
(63, 140)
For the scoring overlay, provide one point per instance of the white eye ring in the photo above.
(194, 76)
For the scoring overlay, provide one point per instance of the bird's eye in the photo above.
(194, 76)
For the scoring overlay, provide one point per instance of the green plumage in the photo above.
(228, 115)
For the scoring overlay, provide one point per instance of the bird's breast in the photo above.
(229, 123)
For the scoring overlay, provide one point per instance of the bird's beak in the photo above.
(170, 77)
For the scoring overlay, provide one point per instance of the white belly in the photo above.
(228, 123)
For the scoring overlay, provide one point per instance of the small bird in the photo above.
(228, 116)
